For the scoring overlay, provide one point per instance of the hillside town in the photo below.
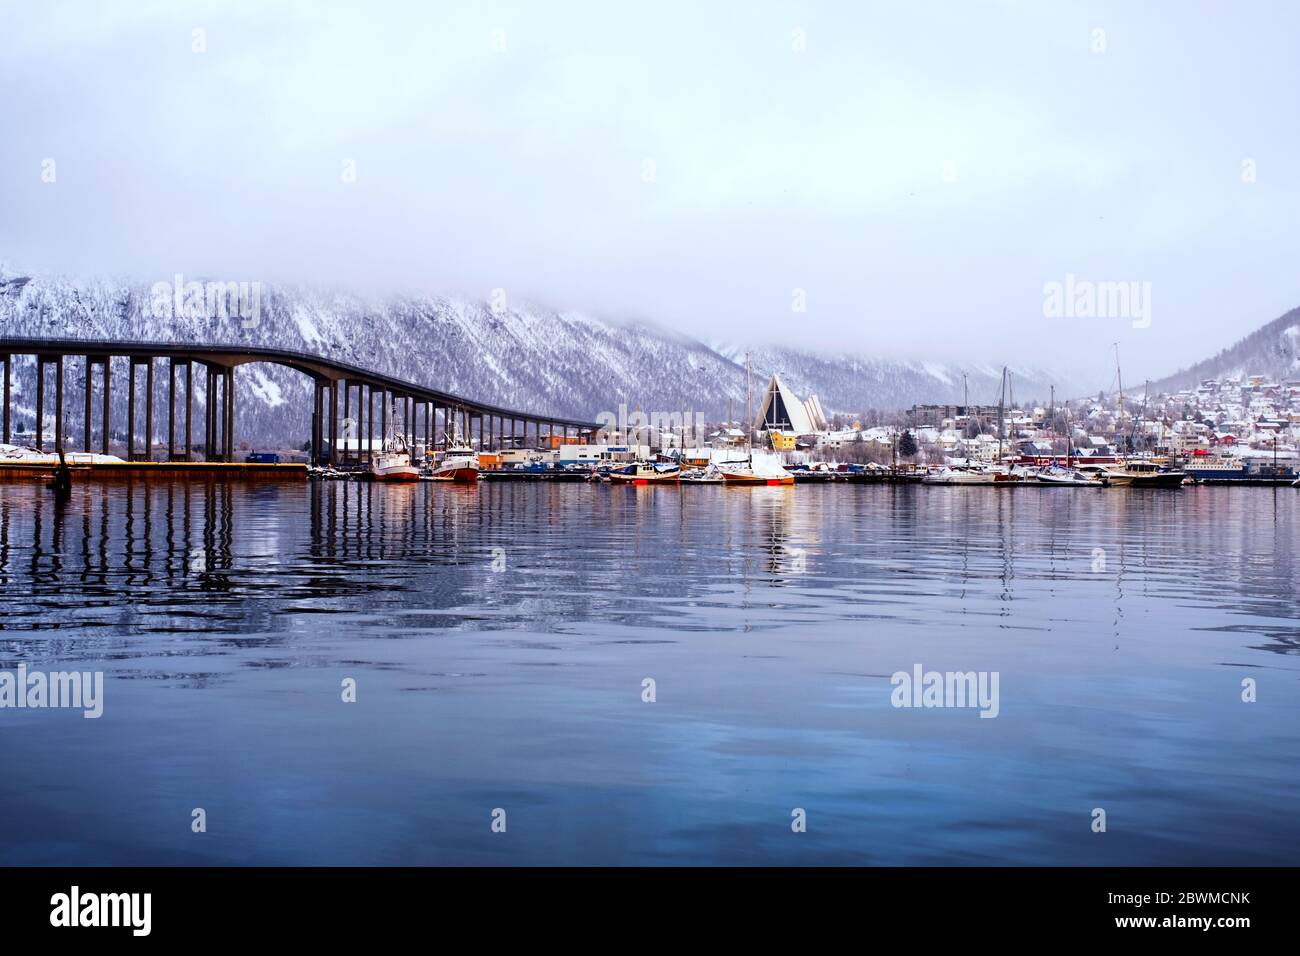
(1244, 417)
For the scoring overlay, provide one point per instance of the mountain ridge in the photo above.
(564, 363)
(1272, 350)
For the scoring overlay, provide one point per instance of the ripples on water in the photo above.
(226, 616)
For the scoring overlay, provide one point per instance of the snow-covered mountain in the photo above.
(1272, 350)
(561, 363)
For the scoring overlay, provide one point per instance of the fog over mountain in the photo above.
(552, 362)
(915, 178)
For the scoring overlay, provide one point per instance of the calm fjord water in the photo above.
(225, 619)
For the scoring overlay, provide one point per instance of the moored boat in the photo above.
(1144, 474)
(1069, 477)
(961, 475)
(1242, 471)
(646, 473)
(457, 464)
(393, 463)
(751, 473)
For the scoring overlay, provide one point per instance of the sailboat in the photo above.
(1139, 474)
(1066, 475)
(393, 463)
(749, 473)
(962, 475)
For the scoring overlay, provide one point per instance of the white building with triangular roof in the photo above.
(781, 410)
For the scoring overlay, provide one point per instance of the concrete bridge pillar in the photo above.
(130, 407)
(40, 403)
(85, 424)
(332, 396)
(228, 403)
(189, 409)
(171, 409)
(148, 409)
(107, 404)
(8, 386)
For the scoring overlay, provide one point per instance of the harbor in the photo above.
(499, 634)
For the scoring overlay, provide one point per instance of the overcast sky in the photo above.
(920, 170)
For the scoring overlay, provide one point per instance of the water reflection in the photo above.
(501, 633)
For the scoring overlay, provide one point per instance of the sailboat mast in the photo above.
(1119, 379)
(749, 403)
(1068, 430)
(1002, 403)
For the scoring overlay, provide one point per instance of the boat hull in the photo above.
(618, 478)
(732, 478)
(961, 479)
(1163, 480)
(396, 473)
(1070, 482)
(461, 475)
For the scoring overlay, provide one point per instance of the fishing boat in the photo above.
(646, 473)
(458, 463)
(393, 463)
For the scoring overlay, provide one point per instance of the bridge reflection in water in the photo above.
(419, 412)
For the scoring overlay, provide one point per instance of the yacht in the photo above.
(1144, 474)
(963, 475)
(1070, 477)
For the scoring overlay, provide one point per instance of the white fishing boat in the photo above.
(458, 463)
(393, 463)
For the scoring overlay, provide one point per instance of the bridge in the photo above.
(417, 409)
